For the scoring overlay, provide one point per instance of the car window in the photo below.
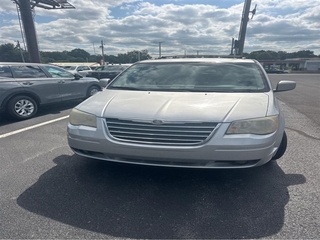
(116, 68)
(5, 72)
(56, 72)
(204, 77)
(100, 68)
(28, 72)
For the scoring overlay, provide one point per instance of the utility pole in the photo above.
(18, 45)
(232, 46)
(160, 49)
(29, 30)
(139, 57)
(102, 49)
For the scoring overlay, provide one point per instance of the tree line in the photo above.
(281, 55)
(13, 53)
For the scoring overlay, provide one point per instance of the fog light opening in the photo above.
(240, 162)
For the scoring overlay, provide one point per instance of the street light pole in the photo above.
(29, 30)
(243, 26)
(238, 45)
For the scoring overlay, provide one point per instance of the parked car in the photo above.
(24, 87)
(82, 70)
(274, 70)
(199, 113)
(108, 71)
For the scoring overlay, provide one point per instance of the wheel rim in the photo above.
(24, 107)
(93, 91)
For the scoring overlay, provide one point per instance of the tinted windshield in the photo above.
(203, 77)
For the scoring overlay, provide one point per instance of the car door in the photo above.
(8, 85)
(84, 70)
(34, 80)
(70, 87)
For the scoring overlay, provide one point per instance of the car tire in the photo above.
(22, 107)
(282, 148)
(93, 90)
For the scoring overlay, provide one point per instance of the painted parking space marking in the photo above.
(32, 127)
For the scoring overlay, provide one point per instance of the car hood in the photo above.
(176, 106)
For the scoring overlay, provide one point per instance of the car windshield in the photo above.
(199, 77)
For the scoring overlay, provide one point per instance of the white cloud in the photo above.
(277, 25)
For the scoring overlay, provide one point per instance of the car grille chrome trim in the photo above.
(168, 133)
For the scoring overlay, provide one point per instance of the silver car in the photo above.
(199, 113)
(25, 87)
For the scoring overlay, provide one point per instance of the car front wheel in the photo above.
(22, 107)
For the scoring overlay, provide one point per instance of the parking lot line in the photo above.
(32, 127)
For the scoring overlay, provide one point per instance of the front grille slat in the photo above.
(168, 133)
(150, 139)
(161, 137)
(193, 131)
(160, 126)
(157, 134)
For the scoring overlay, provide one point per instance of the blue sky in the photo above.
(183, 25)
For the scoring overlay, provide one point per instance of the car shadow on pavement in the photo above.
(131, 201)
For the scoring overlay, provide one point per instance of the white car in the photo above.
(82, 70)
(198, 113)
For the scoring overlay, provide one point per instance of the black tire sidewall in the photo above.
(90, 89)
(282, 148)
(13, 113)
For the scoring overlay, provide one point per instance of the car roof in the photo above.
(200, 60)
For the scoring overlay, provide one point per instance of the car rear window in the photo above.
(28, 72)
(202, 77)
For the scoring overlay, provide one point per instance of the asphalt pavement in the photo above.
(48, 192)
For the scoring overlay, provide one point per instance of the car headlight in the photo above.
(77, 118)
(260, 126)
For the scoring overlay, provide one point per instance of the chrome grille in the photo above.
(163, 134)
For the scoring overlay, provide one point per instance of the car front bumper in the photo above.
(220, 151)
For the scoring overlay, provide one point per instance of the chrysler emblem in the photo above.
(157, 122)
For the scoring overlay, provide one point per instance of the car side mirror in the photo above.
(285, 86)
(105, 81)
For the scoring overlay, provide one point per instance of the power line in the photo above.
(22, 34)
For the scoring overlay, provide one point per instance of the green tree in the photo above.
(79, 54)
(264, 55)
(54, 56)
(10, 53)
(282, 55)
(302, 54)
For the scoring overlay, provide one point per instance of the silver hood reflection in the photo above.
(177, 106)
